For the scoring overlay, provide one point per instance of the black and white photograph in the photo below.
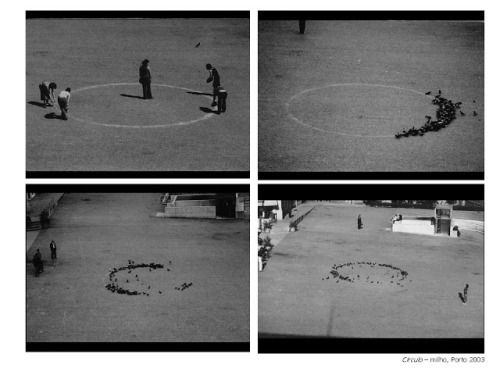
(138, 92)
(132, 267)
(371, 93)
(339, 271)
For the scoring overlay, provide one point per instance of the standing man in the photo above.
(360, 222)
(145, 80)
(215, 78)
(47, 92)
(222, 96)
(53, 249)
(63, 100)
(302, 26)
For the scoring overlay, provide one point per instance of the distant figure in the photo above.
(145, 80)
(38, 262)
(302, 26)
(63, 100)
(360, 222)
(466, 289)
(53, 250)
(215, 78)
(47, 93)
(455, 228)
(221, 97)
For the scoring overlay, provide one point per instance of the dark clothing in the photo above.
(215, 79)
(222, 96)
(53, 250)
(145, 80)
(302, 26)
(38, 263)
(360, 223)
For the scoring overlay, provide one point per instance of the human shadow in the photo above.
(461, 297)
(209, 110)
(132, 96)
(38, 104)
(52, 116)
(198, 93)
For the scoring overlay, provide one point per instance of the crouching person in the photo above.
(63, 101)
(47, 93)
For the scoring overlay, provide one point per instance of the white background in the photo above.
(15, 360)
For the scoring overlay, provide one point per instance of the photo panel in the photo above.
(371, 276)
(137, 268)
(371, 95)
(137, 94)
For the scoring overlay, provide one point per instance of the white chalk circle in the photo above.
(353, 109)
(180, 123)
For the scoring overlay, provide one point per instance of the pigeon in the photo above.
(196, 46)
(428, 92)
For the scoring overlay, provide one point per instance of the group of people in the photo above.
(219, 93)
(48, 98)
(444, 116)
(37, 258)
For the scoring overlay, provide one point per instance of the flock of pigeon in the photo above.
(376, 270)
(444, 116)
(115, 288)
(183, 286)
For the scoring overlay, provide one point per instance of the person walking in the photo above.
(47, 93)
(145, 80)
(63, 101)
(38, 262)
(215, 79)
(53, 250)
(360, 222)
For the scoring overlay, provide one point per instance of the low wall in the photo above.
(413, 226)
(472, 225)
(190, 203)
(204, 212)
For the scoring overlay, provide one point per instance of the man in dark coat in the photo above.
(53, 249)
(38, 262)
(360, 222)
(215, 79)
(145, 80)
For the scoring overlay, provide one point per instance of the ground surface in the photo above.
(83, 53)
(95, 232)
(348, 87)
(296, 298)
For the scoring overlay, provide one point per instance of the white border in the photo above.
(14, 358)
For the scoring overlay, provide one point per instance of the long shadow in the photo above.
(198, 93)
(209, 110)
(132, 96)
(38, 104)
(53, 116)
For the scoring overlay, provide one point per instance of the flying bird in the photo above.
(196, 46)
(428, 92)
